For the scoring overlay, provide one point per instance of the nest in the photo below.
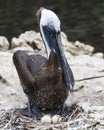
(76, 120)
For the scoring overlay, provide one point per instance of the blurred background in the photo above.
(81, 20)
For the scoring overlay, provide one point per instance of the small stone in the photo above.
(56, 119)
(46, 119)
(99, 55)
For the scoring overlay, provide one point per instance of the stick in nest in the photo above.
(9, 123)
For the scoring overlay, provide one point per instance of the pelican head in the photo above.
(50, 31)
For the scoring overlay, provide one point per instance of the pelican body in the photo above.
(45, 81)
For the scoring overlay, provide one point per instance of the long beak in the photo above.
(69, 79)
(53, 40)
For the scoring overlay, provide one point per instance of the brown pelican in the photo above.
(45, 81)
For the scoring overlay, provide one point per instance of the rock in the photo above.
(17, 42)
(82, 47)
(56, 119)
(79, 48)
(30, 38)
(99, 55)
(76, 48)
(4, 43)
(46, 119)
